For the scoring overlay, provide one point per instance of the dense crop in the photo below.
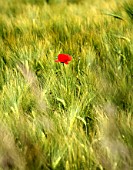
(75, 116)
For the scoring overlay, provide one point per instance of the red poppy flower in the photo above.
(64, 58)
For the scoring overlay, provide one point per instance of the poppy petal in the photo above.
(66, 62)
(57, 60)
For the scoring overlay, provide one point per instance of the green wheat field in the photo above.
(66, 117)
